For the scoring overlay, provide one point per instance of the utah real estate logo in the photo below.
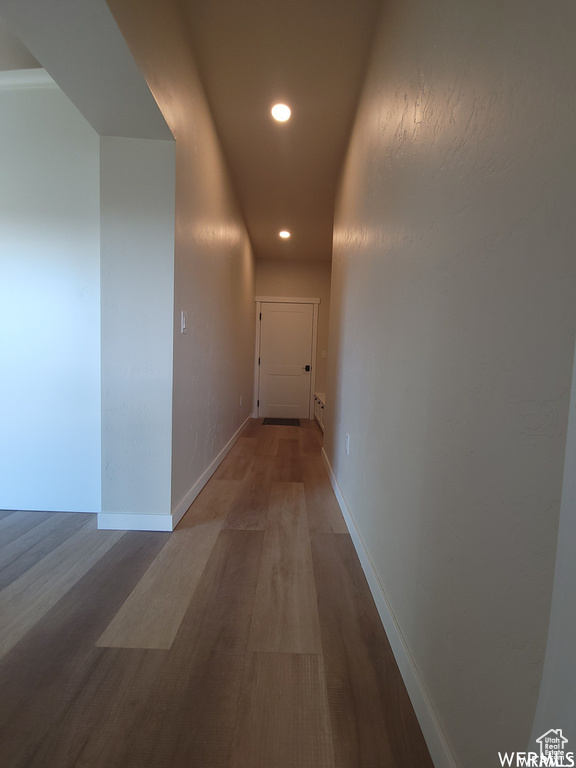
(553, 753)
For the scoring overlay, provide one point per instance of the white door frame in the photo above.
(285, 300)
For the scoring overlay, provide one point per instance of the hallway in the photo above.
(247, 638)
(425, 179)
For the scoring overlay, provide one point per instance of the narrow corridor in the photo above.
(247, 638)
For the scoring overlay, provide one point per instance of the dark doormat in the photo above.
(281, 423)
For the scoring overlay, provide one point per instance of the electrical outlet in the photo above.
(347, 444)
(183, 320)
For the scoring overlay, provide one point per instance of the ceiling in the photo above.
(309, 54)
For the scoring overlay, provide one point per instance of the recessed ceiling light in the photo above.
(281, 112)
(285, 234)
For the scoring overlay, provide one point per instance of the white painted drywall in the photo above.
(308, 279)
(81, 46)
(13, 54)
(451, 345)
(557, 698)
(49, 303)
(213, 268)
(137, 290)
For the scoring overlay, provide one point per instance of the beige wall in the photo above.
(306, 279)
(451, 347)
(213, 266)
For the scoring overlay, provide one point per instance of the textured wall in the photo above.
(451, 344)
(49, 304)
(308, 279)
(558, 688)
(137, 300)
(213, 269)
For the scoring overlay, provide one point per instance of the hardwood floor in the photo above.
(247, 638)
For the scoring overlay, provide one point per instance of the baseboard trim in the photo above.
(431, 729)
(121, 521)
(124, 521)
(184, 504)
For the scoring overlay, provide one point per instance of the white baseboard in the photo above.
(124, 521)
(121, 521)
(184, 504)
(431, 729)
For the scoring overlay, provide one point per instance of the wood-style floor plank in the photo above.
(152, 614)
(249, 510)
(324, 514)
(213, 503)
(43, 677)
(274, 654)
(289, 460)
(191, 713)
(237, 461)
(15, 525)
(26, 550)
(285, 611)
(283, 718)
(270, 435)
(111, 704)
(28, 598)
(373, 722)
(252, 428)
(310, 438)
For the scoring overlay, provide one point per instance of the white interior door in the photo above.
(285, 354)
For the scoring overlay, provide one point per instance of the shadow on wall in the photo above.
(451, 346)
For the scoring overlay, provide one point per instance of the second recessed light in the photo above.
(285, 234)
(281, 112)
